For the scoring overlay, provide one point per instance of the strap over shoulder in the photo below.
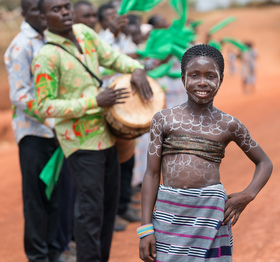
(86, 68)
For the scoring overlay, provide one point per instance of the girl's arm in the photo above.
(147, 247)
(238, 201)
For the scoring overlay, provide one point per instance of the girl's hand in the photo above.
(235, 205)
(147, 248)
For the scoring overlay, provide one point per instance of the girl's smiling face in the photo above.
(202, 79)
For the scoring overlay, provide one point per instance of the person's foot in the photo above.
(72, 248)
(67, 256)
(131, 215)
(120, 224)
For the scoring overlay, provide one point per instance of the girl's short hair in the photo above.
(202, 50)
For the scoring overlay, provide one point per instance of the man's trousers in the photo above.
(41, 216)
(96, 175)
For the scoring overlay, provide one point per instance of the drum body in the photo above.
(133, 118)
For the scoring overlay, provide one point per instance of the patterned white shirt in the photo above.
(18, 59)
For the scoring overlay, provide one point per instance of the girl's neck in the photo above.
(198, 108)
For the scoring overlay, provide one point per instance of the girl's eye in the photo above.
(193, 75)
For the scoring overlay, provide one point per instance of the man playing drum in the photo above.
(68, 91)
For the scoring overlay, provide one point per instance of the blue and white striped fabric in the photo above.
(188, 225)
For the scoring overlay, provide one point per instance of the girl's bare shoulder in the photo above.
(170, 111)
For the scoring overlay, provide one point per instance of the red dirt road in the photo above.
(256, 235)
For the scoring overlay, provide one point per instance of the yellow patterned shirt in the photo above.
(66, 91)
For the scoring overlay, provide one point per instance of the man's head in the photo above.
(57, 14)
(134, 19)
(135, 32)
(106, 13)
(158, 21)
(133, 28)
(31, 14)
(116, 3)
(85, 13)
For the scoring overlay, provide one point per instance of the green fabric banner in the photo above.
(168, 41)
(237, 43)
(160, 53)
(161, 70)
(215, 44)
(222, 24)
(137, 5)
(173, 40)
(181, 8)
(174, 74)
(51, 171)
(196, 23)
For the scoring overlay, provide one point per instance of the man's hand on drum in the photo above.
(140, 82)
(111, 96)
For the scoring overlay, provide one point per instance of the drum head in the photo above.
(134, 112)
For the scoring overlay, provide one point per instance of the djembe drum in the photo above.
(133, 118)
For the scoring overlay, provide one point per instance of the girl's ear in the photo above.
(183, 79)
(222, 79)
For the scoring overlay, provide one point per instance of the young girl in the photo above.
(193, 215)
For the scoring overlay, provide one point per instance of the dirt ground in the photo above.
(256, 235)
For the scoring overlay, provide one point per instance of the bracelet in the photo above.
(145, 230)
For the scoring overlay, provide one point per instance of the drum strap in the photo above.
(86, 68)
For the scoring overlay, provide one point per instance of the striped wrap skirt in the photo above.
(188, 225)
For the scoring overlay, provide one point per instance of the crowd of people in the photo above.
(59, 70)
(39, 97)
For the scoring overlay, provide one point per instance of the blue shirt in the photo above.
(18, 59)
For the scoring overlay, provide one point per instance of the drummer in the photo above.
(84, 13)
(66, 91)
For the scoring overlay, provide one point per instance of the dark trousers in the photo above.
(96, 176)
(41, 216)
(67, 201)
(126, 191)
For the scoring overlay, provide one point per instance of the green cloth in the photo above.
(196, 23)
(221, 24)
(237, 43)
(215, 44)
(161, 70)
(169, 41)
(137, 5)
(174, 74)
(51, 171)
(173, 40)
(181, 8)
